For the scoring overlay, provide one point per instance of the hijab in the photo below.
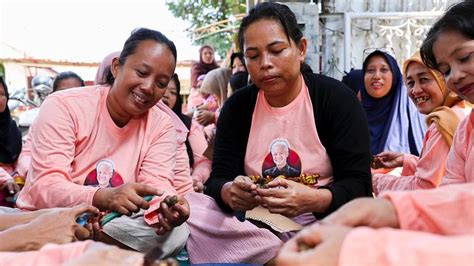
(445, 119)
(104, 66)
(394, 122)
(200, 68)
(10, 135)
(215, 83)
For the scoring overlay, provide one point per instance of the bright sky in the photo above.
(85, 30)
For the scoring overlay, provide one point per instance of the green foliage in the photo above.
(202, 13)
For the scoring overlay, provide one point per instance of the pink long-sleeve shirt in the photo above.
(74, 131)
(182, 181)
(50, 254)
(460, 164)
(442, 217)
(426, 171)
(202, 165)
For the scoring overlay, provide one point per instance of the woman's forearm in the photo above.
(8, 220)
(17, 239)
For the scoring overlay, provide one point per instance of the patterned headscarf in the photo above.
(446, 120)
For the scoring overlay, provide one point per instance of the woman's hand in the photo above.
(206, 117)
(198, 186)
(387, 159)
(57, 226)
(171, 214)
(375, 213)
(11, 186)
(318, 244)
(240, 194)
(125, 199)
(291, 199)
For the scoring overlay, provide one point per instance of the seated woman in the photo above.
(394, 122)
(206, 63)
(240, 76)
(195, 142)
(215, 84)
(427, 89)
(10, 148)
(290, 121)
(119, 122)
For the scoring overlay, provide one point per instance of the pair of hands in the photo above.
(128, 198)
(325, 238)
(387, 160)
(280, 196)
(58, 226)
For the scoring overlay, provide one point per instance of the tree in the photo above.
(208, 13)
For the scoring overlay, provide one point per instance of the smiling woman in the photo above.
(77, 128)
(394, 122)
(428, 90)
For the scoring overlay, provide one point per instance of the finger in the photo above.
(278, 182)
(122, 210)
(80, 209)
(182, 213)
(244, 183)
(290, 246)
(140, 202)
(10, 188)
(272, 192)
(145, 190)
(163, 222)
(131, 207)
(166, 212)
(82, 233)
(245, 202)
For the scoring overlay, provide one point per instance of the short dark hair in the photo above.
(139, 35)
(274, 11)
(459, 17)
(66, 75)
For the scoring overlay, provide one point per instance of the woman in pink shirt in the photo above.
(428, 91)
(196, 142)
(442, 217)
(120, 122)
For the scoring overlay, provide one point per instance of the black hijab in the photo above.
(10, 135)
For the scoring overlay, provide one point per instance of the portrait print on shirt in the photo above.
(104, 175)
(281, 161)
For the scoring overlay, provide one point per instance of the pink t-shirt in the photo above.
(460, 164)
(426, 171)
(284, 141)
(80, 149)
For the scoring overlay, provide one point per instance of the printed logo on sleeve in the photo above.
(104, 175)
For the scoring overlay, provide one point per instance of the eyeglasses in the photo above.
(388, 50)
